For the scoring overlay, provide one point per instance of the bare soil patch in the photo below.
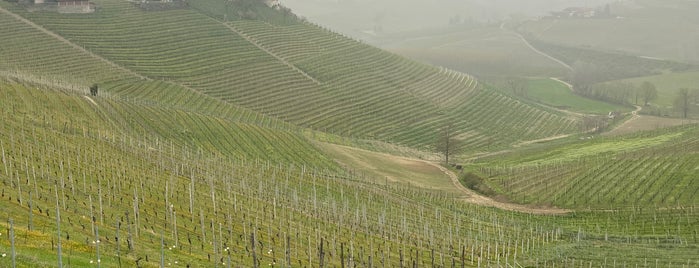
(646, 122)
(444, 175)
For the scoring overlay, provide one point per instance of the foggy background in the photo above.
(367, 19)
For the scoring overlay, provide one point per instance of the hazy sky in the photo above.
(361, 17)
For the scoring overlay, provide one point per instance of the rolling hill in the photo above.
(204, 147)
(298, 73)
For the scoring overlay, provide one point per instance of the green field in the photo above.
(668, 85)
(482, 51)
(557, 94)
(229, 134)
(650, 169)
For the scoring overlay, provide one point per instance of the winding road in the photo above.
(529, 45)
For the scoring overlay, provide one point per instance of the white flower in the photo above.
(3, 255)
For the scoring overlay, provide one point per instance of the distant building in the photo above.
(160, 5)
(576, 12)
(272, 3)
(75, 6)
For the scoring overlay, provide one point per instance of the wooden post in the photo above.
(12, 243)
(117, 243)
(58, 228)
(162, 250)
(342, 255)
(252, 243)
(321, 254)
(288, 250)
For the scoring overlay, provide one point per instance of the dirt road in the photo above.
(468, 195)
(475, 198)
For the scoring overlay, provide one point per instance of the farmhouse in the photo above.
(75, 6)
(576, 12)
(272, 3)
(159, 5)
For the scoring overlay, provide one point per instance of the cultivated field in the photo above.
(219, 138)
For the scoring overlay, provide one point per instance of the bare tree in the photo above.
(447, 144)
(518, 86)
(682, 101)
(648, 92)
(93, 89)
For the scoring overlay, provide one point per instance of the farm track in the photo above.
(530, 46)
(68, 42)
(477, 199)
(469, 195)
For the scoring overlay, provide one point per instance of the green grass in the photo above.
(54, 141)
(647, 169)
(668, 85)
(482, 51)
(556, 94)
(387, 169)
(215, 147)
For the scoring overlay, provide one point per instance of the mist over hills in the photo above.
(362, 18)
(229, 133)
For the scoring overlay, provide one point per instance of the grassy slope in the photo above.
(482, 51)
(634, 170)
(43, 155)
(668, 85)
(40, 139)
(556, 94)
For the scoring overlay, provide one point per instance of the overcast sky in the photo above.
(390, 16)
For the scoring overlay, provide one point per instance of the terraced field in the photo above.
(123, 198)
(651, 169)
(200, 150)
(302, 74)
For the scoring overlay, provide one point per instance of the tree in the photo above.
(648, 92)
(518, 86)
(93, 89)
(682, 101)
(447, 144)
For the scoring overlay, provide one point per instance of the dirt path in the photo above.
(634, 116)
(68, 42)
(552, 138)
(469, 195)
(562, 82)
(91, 100)
(271, 53)
(530, 46)
(475, 198)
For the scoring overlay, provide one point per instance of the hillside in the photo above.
(298, 73)
(124, 198)
(232, 134)
(648, 169)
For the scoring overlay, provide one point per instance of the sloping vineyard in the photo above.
(305, 75)
(653, 169)
(124, 198)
